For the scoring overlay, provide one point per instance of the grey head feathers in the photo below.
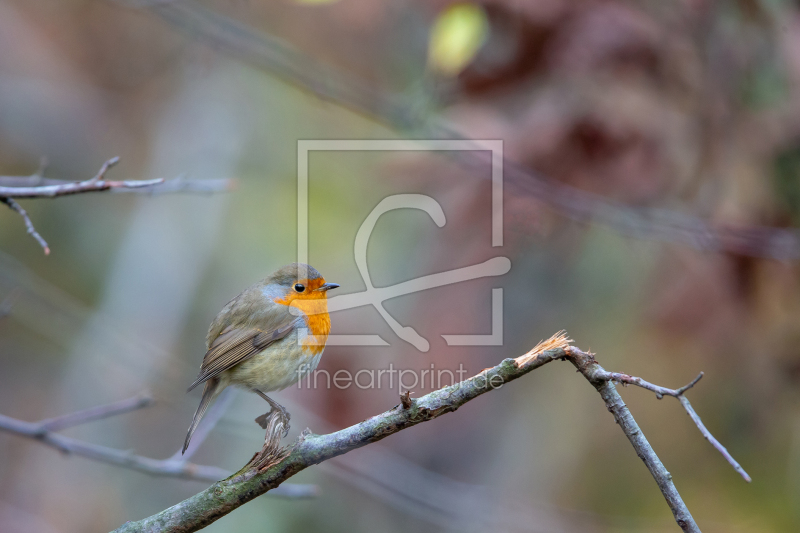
(291, 273)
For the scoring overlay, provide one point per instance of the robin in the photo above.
(267, 338)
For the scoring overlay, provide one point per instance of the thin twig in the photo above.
(184, 186)
(710, 438)
(43, 432)
(102, 172)
(679, 394)
(250, 482)
(639, 382)
(28, 224)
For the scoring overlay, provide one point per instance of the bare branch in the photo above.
(268, 470)
(43, 431)
(176, 185)
(96, 183)
(597, 376)
(679, 394)
(28, 224)
(36, 186)
(710, 438)
(639, 382)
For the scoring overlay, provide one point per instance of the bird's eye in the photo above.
(299, 287)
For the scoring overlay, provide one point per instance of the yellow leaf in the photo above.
(457, 35)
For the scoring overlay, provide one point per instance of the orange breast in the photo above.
(315, 307)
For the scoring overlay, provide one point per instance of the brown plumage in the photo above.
(267, 337)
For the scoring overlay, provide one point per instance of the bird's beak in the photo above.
(327, 286)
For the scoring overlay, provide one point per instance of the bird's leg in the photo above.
(276, 422)
(274, 406)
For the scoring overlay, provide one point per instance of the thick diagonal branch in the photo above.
(597, 376)
(224, 496)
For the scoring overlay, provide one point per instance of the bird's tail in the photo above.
(210, 392)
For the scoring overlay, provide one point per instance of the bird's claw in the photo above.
(281, 412)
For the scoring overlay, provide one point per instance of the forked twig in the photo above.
(679, 394)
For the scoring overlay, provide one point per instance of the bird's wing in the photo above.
(235, 345)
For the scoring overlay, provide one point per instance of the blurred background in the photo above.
(687, 108)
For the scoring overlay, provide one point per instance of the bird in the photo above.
(267, 338)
